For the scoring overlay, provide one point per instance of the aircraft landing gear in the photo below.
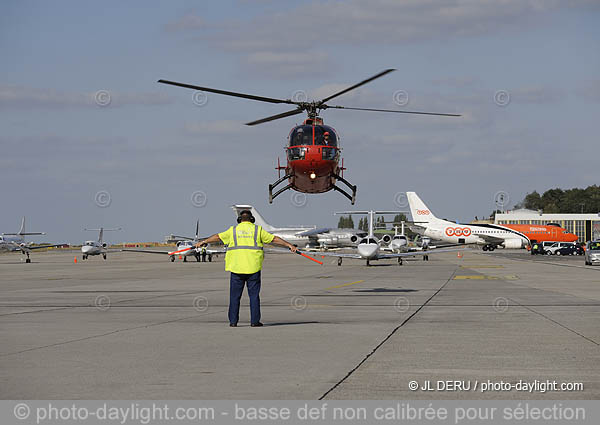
(342, 191)
(184, 259)
(399, 261)
(280, 191)
(172, 258)
(340, 261)
(426, 257)
(104, 256)
(368, 263)
(489, 247)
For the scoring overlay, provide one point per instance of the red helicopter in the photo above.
(313, 150)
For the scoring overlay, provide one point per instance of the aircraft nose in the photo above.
(367, 251)
(85, 249)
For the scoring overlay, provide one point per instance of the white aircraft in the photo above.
(489, 235)
(370, 247)
(185, 248)
(16, 242)
(307, 236)
(399, 241)
(98, 247)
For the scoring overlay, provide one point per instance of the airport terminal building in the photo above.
(585, 226)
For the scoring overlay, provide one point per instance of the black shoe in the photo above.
(257, 324)
(233, 325)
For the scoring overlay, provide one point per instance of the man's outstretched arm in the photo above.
(278, 241)
(210, 239)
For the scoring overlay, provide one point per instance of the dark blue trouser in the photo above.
(236, 287)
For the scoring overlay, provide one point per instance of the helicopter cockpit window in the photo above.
(325, 136)
(296, 153)
(301, 135)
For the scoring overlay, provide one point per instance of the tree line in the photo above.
(564, 201)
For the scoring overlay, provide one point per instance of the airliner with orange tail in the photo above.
(490, 236)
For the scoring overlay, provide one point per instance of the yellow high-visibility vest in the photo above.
(244, 247)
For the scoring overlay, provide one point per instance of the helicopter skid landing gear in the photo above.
(343, 192)
(272, 186)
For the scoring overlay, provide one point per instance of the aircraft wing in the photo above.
(340, 254)
(490, 239)
(314, 232)
(425, 252)
(147, 251)
(31, 248)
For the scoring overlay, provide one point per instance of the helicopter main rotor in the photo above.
(311, 108)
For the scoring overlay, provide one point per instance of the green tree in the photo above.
(346, 222)
(557, 200)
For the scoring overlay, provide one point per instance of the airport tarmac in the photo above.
(140, 327)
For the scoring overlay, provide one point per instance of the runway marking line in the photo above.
(345, 284)
(482, 266)
(485, 277)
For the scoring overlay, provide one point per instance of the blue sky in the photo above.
(151, 148)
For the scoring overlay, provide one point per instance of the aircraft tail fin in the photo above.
(22, 231)
(419, 211)
(257, 217)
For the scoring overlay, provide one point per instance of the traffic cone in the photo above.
(459, 254)
(75, 260)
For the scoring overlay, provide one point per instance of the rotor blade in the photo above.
(229, 93)
(368, 80)
(392, 110)
(276, 117)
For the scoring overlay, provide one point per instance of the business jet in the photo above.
(184, 248)
(370, 248)
(98, 247)
(490, 236)
(16, 241)
(307, 236)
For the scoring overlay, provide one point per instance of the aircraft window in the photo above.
(325, 135)
(296, 153)
(363, 241)
(372, 241)
(301, 135)
(330, 154)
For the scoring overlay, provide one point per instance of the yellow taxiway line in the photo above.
(345, 284)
